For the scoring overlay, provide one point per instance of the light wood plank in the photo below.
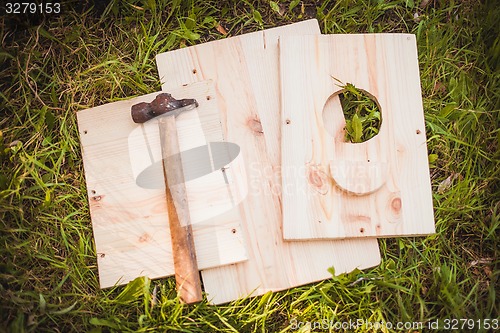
(245, 71)
(130, 222)
(377, 188)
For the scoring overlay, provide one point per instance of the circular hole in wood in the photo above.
(361, 116)
(362, 230)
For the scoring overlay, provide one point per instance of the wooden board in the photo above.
(245, 71)
(129, 217)
(338, 189)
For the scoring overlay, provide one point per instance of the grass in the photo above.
(361, 113)
(55, 66)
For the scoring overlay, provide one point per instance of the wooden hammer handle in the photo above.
(187, 276)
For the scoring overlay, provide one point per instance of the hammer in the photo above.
(187, 277)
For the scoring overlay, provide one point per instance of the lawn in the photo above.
(56, 65)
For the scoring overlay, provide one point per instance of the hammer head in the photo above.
(162, 104)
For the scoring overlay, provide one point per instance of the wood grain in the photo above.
(130, 222)
(187, 277)
(245, 71)
(377, 188)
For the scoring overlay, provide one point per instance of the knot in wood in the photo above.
(396, 205)
(317, 179)
(144, 238)
(255, 126)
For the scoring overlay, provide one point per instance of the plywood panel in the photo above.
(245, 71)
(129, 214)
(377, 188)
